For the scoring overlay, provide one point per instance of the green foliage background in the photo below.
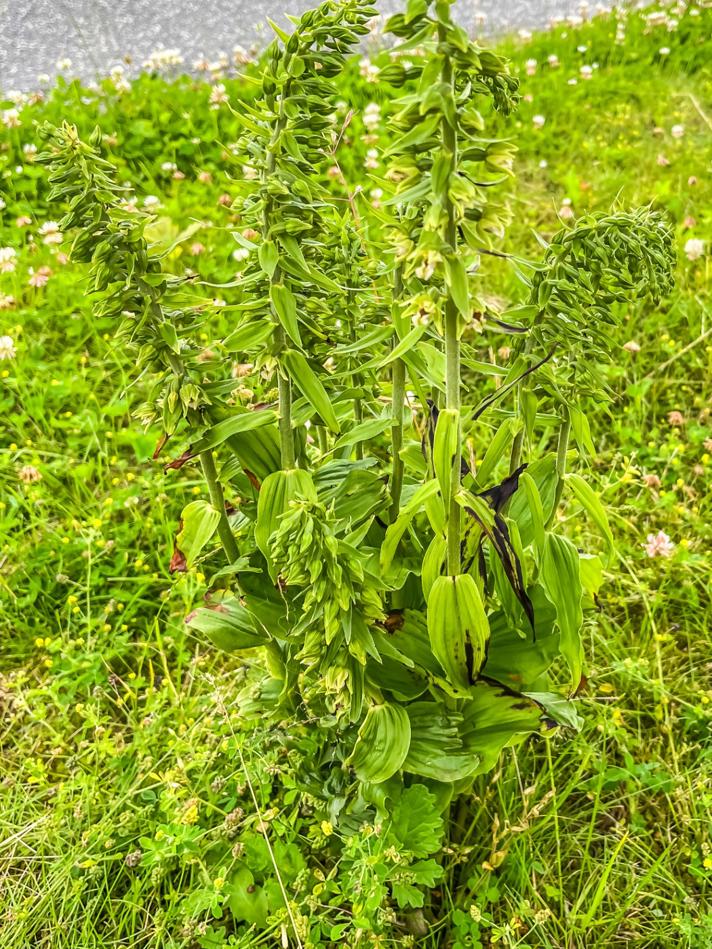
(133, 795)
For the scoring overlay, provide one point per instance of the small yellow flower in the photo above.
(219, 883)
(190, 814)
(707, 863)
(326, 828)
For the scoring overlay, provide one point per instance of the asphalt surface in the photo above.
(97, 34)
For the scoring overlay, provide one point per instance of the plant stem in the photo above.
(217, 499)
(284, 386)
(397, 399)
(452, 341)
(561, 451)
(397, 436)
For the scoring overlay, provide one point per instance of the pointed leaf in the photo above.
(302, 375)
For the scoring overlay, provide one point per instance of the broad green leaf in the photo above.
(591, 503)
(199, 522)
(495, 451)
(456, 278)
(561, 710)
(591, 570)
(436, 751)
(405, 345)
(251, 336)
(433, 562)
(238, 423)
(277, 490)
(458, 628)
(285, 306)
(268, 256)
(396, 530)
(494, 719)
(559, 575)
(229, 625)
(543, 473)
(382, 743)
(362, 432)
(517, 657)
(302, 375)
(446, 448)
(582, 431)
(528, 486)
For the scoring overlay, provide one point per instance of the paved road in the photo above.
(96, 34)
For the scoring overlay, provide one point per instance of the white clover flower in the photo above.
(242, 253)
(50, 233)
(168, 166)
(677, 131)
(151, 201)
(7, 347)
(7, 302)
(530, 67)
(553, 60)
(664, 51)
(372, 115)
(162, 59)
(8, 259)
(371, 161)
(694, 248)
(218, 96)
(11, 119)
(39, 278)
(28, 474)
(64, 64)
(368, 70)
(3, 204)
(240, 56)
(631, 346)
(656, 18)
(538, 121)
(659, 545)
(586, 72)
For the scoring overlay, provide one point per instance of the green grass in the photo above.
(121, 732)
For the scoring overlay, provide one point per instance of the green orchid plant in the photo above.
(383, 509)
